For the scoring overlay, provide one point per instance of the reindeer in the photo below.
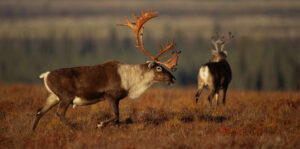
(112, 80)
(216, 74)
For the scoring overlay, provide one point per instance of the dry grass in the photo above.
(160, 118)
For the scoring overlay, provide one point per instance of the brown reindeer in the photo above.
(110, 81)
(216, 74)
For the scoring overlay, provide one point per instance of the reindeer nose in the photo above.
(173, 80)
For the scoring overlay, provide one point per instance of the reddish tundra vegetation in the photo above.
(160, 118)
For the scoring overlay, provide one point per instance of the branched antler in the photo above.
(215, 43)
(221, 41)
(138, 27)
(226, 41)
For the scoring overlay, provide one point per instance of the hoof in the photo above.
(100, 125)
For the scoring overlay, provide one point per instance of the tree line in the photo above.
(257, 64)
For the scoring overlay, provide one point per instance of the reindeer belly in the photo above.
(77, 101)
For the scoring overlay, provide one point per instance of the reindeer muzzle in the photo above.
(172, 81)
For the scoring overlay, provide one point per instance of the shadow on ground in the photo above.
(157, 117)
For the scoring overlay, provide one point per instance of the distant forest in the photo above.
(264, 55)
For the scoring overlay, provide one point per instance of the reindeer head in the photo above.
(161, 74)
(221, 41)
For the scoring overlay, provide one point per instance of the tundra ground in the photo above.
(160, 118)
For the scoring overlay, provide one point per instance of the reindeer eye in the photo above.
(158, 68)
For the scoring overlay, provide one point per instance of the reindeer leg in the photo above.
(211, 95)
(51, 101)
(224, 95)
(61, 111)
(217, 96)
(198, 94)
(200, 88)
(115, 107)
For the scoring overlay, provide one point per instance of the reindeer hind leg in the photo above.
(62, 109)
(211, 96)
(51, 101)
(217, 97)
(200, 88)
(198, 93)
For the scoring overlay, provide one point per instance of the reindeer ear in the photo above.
(150, 64)
(225, 52)
(213, 52)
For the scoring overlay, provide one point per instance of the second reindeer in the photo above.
(216, 74)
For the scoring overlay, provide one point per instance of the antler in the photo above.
(221, 41)
(172, 62)
(215, 43)
(138, 28)
(226, 41)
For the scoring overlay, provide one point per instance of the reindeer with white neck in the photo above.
(112, 81)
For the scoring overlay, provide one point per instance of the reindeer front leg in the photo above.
(114, 104)
(224, 95)
(115, 107)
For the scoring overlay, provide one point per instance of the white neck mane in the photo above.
(134, 79)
